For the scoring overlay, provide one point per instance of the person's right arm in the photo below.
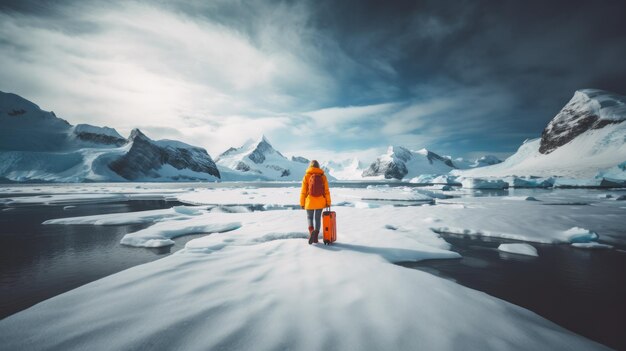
(304, 191)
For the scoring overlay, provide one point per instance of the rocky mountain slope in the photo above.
(587, 137)
(399, 163)
(36, 145)
(257, 159)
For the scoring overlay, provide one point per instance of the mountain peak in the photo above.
(136, 133)
(400, 152)
(587, 110)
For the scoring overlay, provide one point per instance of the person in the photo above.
(314, 197)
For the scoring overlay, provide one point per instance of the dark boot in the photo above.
(316, 234)
(311, 235)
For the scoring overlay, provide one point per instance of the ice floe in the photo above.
(253, 282)
(519, 248)
(592, 245)
(483, 183)
(261, 286)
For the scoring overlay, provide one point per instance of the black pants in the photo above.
(318, 218)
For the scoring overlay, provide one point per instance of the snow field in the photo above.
(261, 286)
(255, 283)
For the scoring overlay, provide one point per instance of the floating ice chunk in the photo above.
(529, 182)
(481, 183)
(580, 235)
(381, 186)
(435, 179)
(592, 245)
(160, 233)
(187, 210)
(519, 248)
(576, 183)
(121, 218)
(520, 198)
(69, 207)
(442, 187)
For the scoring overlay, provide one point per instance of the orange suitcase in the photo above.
(329, 221)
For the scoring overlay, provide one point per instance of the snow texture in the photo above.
(224, 290)
(255, 283)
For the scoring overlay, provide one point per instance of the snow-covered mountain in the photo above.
(257, 159)
(483, 161)
(587, 137)
(400, 163)
(350, 169)
(148, 159)
(36, 145)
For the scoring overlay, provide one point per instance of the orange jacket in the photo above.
(314, 202)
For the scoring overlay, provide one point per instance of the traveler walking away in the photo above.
(314, 197)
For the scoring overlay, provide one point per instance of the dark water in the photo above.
(40, 261)
(579, 289)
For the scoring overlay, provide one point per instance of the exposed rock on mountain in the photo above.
(35, 145)
(399, 163)
(98, 135)
(146, 158)
(589, 109)
(585, 140)
(257, 159)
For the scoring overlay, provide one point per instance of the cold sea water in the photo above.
(581, 290)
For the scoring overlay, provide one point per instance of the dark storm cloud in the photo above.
(529, 55)
(454, 76)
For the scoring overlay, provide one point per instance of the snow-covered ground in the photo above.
(255, 283)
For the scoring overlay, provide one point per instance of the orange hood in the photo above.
(313, 170)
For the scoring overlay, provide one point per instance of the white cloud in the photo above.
(144, 65)
(337, 117)
(414, 116)
(214, 83)
(366, 156)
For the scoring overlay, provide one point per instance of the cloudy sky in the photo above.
(324, 79)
